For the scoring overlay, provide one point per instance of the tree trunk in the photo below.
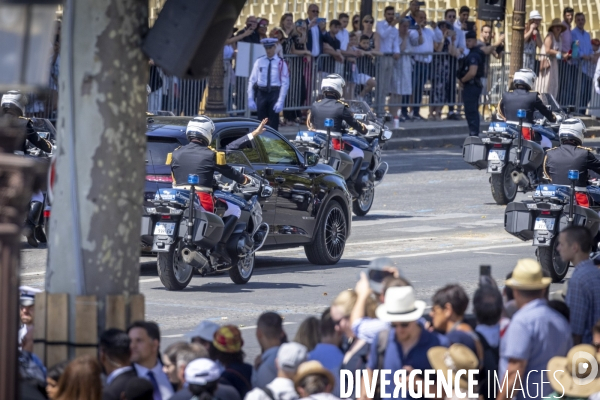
(518, 32)
(98, 192)
(215, 103)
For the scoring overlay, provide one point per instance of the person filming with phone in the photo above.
(249, 33)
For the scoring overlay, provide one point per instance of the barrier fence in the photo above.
(410, 81)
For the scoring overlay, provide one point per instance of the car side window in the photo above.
(250, 150)
(277, 150)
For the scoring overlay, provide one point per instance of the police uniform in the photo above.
(560, 160)
(472, 88)
(272, 80)
(26, 125)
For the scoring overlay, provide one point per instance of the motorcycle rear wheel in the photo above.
(551, 262)
(504, 190)
(241, 273)
(362, 205)
(172, 271)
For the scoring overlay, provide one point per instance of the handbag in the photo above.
(545, 63)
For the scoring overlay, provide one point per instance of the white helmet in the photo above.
(525, 77)
(572, 129)
(333, 83)
(16, 99)
(201, 128)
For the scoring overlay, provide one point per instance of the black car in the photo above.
(311, 205)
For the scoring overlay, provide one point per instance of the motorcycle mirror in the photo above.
(387, 118)
(310, 159)
(269, 171)
(267, 191)
(387, 135)
(549, 107)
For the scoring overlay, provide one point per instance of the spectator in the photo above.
(510, 305)
(286, 23)
(422, 47)
(583, 41)
(532, 40)
(314, 381)
(331, 46)
(249, 33)
(583, 297)
(145, 343)
(270, 335)
(594, 106)
(328, 352)
(53, 377)
(402, 311)
(567, 71)
(365, 69)
(138, 389)
(169, 362)
(547, 81)
(300, 71)
(277, 33)
(226, 349)
(390, 47)
(402, 84)
(440, 84)
(203, 334)
(568, 380)
(536, 332)
(449, 305)
(114, 353)
(488, 48)
(202, 376)
(314, 41)
(289, 357)
(349, 55)
(566, 38)
(263, 26)
(457, 357)
(350, 65)
(463, 22)
(561, 308)
(309, 333)
(470, 80)
(81, 380)
(461, 45)
(356, 24)
(27, 309)
(412, 12)
(374, 37)
(596, 336)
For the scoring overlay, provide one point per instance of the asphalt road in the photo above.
(433, 214)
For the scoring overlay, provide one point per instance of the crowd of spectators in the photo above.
(521, 333)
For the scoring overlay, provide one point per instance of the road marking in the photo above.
(494, 254)
(240, 328)
(149, 280)
(34, 273)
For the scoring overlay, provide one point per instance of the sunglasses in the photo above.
(369, 21)
(400, 324)
(315, 11)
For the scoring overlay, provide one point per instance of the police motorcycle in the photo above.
(183, 234)
(512, 155)
(552, 208)
(334, 149)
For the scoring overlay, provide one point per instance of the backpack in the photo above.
(491, 358)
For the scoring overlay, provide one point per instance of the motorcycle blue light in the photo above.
(521, 113)
(573, 175)
(329, 123)
(193, 179)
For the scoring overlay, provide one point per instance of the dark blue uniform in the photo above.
(472, 88)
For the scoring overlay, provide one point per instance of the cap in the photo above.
(205, 331)
(470, 35)
(228, 339)
(27, 295)
(290, 356)
(535, 14)
(269, 42)
(374, 272)
(202, 371)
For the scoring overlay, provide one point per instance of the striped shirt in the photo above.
(583, 299)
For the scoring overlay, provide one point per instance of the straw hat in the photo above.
(454, 358)
(527, 275)
(576, 374)
(400, 305)
(557, 22)
(535, 14)
(313, 368)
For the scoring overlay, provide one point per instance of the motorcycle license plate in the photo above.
(164, 228)
(544, 224)
(496, 155)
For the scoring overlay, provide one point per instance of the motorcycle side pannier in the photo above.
(475, 152)
(518, 220)
(532, 154)
(582, 216)
(341, 162)
(208, 229)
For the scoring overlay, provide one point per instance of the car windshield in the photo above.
(158, 149)
(360, 107)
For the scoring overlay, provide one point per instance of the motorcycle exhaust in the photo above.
(520, 179)
(194, 258)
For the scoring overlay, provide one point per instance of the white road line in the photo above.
(240, 328)
(494, 254)
(34, 273)
(149, 280)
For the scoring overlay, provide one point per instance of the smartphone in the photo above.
(397, 16)
(485, 270)
(321, 20)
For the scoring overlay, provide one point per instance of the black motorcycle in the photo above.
(183, 234)
(334, 150)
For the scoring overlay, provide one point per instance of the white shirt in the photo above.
(110, 378)
(426, 47)
(315, 32)
(282, 388)
(344, 37)
(460, 42)
(228, 52)
(388, 38)
(166, 390)
(279, 76)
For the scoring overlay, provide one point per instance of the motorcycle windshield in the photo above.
(360, 108)
(239, 161)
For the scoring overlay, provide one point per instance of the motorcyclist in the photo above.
(13, 105)
(331, 106)
(199, 159)
(571, 155)
(523, 98)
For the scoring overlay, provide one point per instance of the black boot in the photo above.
(351, 182)
(35, 210)
(220, 251)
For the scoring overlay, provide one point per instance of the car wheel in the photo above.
(241, 273)
(172, 271)
(330, 237)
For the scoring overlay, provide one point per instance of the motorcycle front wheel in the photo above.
(551, 262)
(241, 273)
(362, 204)
(172, 271)
(504, 190)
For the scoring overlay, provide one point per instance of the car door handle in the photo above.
(279, 179)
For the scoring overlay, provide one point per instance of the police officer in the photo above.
(522, 98)
(332, 107)
(570, 155)
(470, 74)
(198, 159)
(13, 106)
(272, 79)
